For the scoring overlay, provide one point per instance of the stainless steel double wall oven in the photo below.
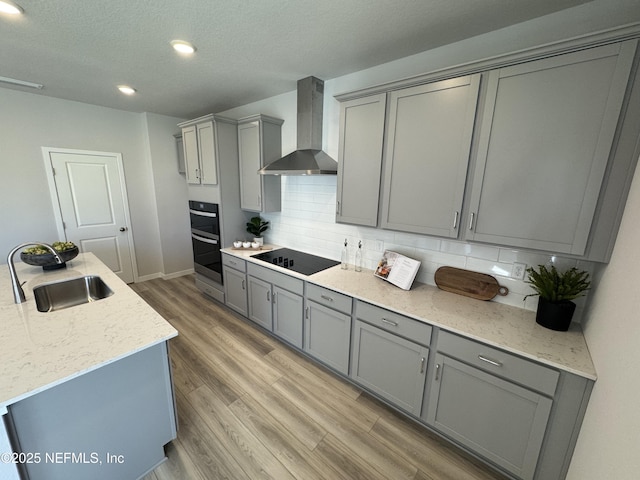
(205, 236)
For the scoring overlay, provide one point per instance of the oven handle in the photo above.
(203, 214)
(205, 240)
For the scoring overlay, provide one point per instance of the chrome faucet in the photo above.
(18, 293)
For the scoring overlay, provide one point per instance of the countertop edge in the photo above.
(317, 279)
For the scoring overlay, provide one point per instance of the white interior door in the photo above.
(90, 191)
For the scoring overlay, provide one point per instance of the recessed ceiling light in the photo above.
(181, 46)
(10, 8)
(126, 89)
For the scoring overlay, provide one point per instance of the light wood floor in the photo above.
(251, 408)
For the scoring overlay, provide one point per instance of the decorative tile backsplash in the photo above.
(307, 223)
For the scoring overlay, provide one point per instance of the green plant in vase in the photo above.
(256, 227)
(556, 291)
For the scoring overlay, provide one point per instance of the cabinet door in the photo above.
(497, 419)
(207, 153)
(390, 366)
(545, 138)
(260, 302)
(287, 316)
(427, 153)
(327, 336)
(235, 290)
(360, 160)
(249, 156)
(191, 159)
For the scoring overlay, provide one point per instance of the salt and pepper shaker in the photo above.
(344, 260)
(359, 257)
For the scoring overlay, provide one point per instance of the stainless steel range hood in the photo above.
(308, 159)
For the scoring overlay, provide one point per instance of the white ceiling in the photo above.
(248, 50)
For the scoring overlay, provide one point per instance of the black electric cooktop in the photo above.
(300, 262)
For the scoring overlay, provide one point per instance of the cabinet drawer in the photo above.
(294, 285)
(329, 298)
(498, 362)
(395, 323)
(234, 262)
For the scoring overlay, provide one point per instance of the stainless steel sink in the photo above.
(69, 293)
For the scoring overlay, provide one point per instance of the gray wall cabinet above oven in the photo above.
(541, 158)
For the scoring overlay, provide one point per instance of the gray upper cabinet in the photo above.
(429, 134)
(360, 160)
(545, 138)
(199, 144)
(259, 143)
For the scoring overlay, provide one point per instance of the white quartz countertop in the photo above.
(41, 350)
(509, 328)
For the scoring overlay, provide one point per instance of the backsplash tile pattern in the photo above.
(307, 223)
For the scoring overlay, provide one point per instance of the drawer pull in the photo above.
(306, 313)
(243, 287)
(488, 360)
(327, 297)
(268, 296)
(437, 372)
(232, 262)
(422, 365)
(389, 322)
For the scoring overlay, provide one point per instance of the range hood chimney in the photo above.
(308, 159)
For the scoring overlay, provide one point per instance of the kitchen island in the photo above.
(88, 388)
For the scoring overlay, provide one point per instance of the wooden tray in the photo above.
(251, 249)
(470, 284)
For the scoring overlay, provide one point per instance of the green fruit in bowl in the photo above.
(57, 246)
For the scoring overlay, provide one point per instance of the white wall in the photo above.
(170, 189)
(610, 437)
(30, 121)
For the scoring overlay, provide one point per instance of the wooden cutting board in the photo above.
(470, 284)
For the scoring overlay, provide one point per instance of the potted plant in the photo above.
(256, 226)
(556, 291)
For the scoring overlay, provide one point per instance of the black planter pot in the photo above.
(555, 315)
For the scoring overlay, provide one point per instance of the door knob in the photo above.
(123, 229)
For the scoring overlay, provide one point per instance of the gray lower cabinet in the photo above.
(391, 366)
(287, 316)
(276, 302)
(545, 139)
(327, 327)
(115, 420)
(235, 284)
(494, 403)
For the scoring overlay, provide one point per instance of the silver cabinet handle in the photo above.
(422, 360)
(455, 220)
(268, 296)
(437, 372)
(490, 361)
(471, 217)
(338, 207)
(232, 262)
(326, 297)
(389, 322)
(306, 313)
(243, 287)
(274, 297)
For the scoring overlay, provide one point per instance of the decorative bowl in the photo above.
(47, 261)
